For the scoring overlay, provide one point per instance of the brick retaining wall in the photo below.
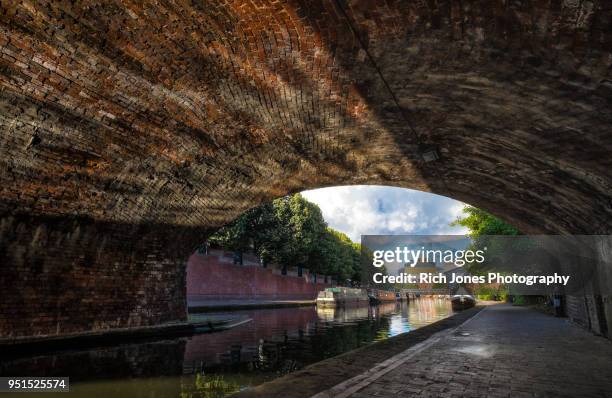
(215, 277)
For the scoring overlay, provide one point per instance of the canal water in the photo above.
(215, 365)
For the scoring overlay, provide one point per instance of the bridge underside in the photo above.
(132, 129)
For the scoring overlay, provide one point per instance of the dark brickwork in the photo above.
(187, 113)
(67, 276)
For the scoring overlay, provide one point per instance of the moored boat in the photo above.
(378, 296)
(341, 296)
(462, 301)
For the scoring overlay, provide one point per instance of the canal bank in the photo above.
(198, 306)
(196, 324)
(326, 374)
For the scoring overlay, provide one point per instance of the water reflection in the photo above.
(276, 342)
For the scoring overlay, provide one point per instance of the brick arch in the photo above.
(132, 116)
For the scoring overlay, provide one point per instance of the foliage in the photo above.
(336, 254)
(491, 292)
(483, 228)
(291, 231)
(480, 223)
(519, 300)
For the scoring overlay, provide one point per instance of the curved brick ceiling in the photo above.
(189, 112)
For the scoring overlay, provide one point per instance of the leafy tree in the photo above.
(480, 223)
(338, 255)
(256, 230)
(484, 228)
(291, 231)
(302, 225)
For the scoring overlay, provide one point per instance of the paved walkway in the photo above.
(504, 351)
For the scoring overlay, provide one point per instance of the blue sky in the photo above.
(376, 210)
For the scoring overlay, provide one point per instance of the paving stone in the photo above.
(523, 370)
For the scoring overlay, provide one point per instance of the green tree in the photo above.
(481, 223)
(302, 227)
(255, 230)
(337, 254)
(484, 228)
(291, 231)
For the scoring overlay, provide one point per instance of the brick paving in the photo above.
(504, 351)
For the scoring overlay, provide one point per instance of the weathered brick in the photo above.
(184, 115)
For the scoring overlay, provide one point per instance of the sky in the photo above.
(377, 210)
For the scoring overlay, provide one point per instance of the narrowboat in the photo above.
(341, 296)
(462, 301)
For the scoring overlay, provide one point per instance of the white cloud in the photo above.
(361, 209)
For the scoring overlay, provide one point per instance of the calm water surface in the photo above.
(276, 342)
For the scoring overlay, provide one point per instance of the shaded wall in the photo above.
(592, 307)
(215, 277)
(63, 276)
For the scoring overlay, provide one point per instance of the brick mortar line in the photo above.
(366, 378)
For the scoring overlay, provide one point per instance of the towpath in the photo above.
(504, 351)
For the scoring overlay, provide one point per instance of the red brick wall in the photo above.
(214, 276)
